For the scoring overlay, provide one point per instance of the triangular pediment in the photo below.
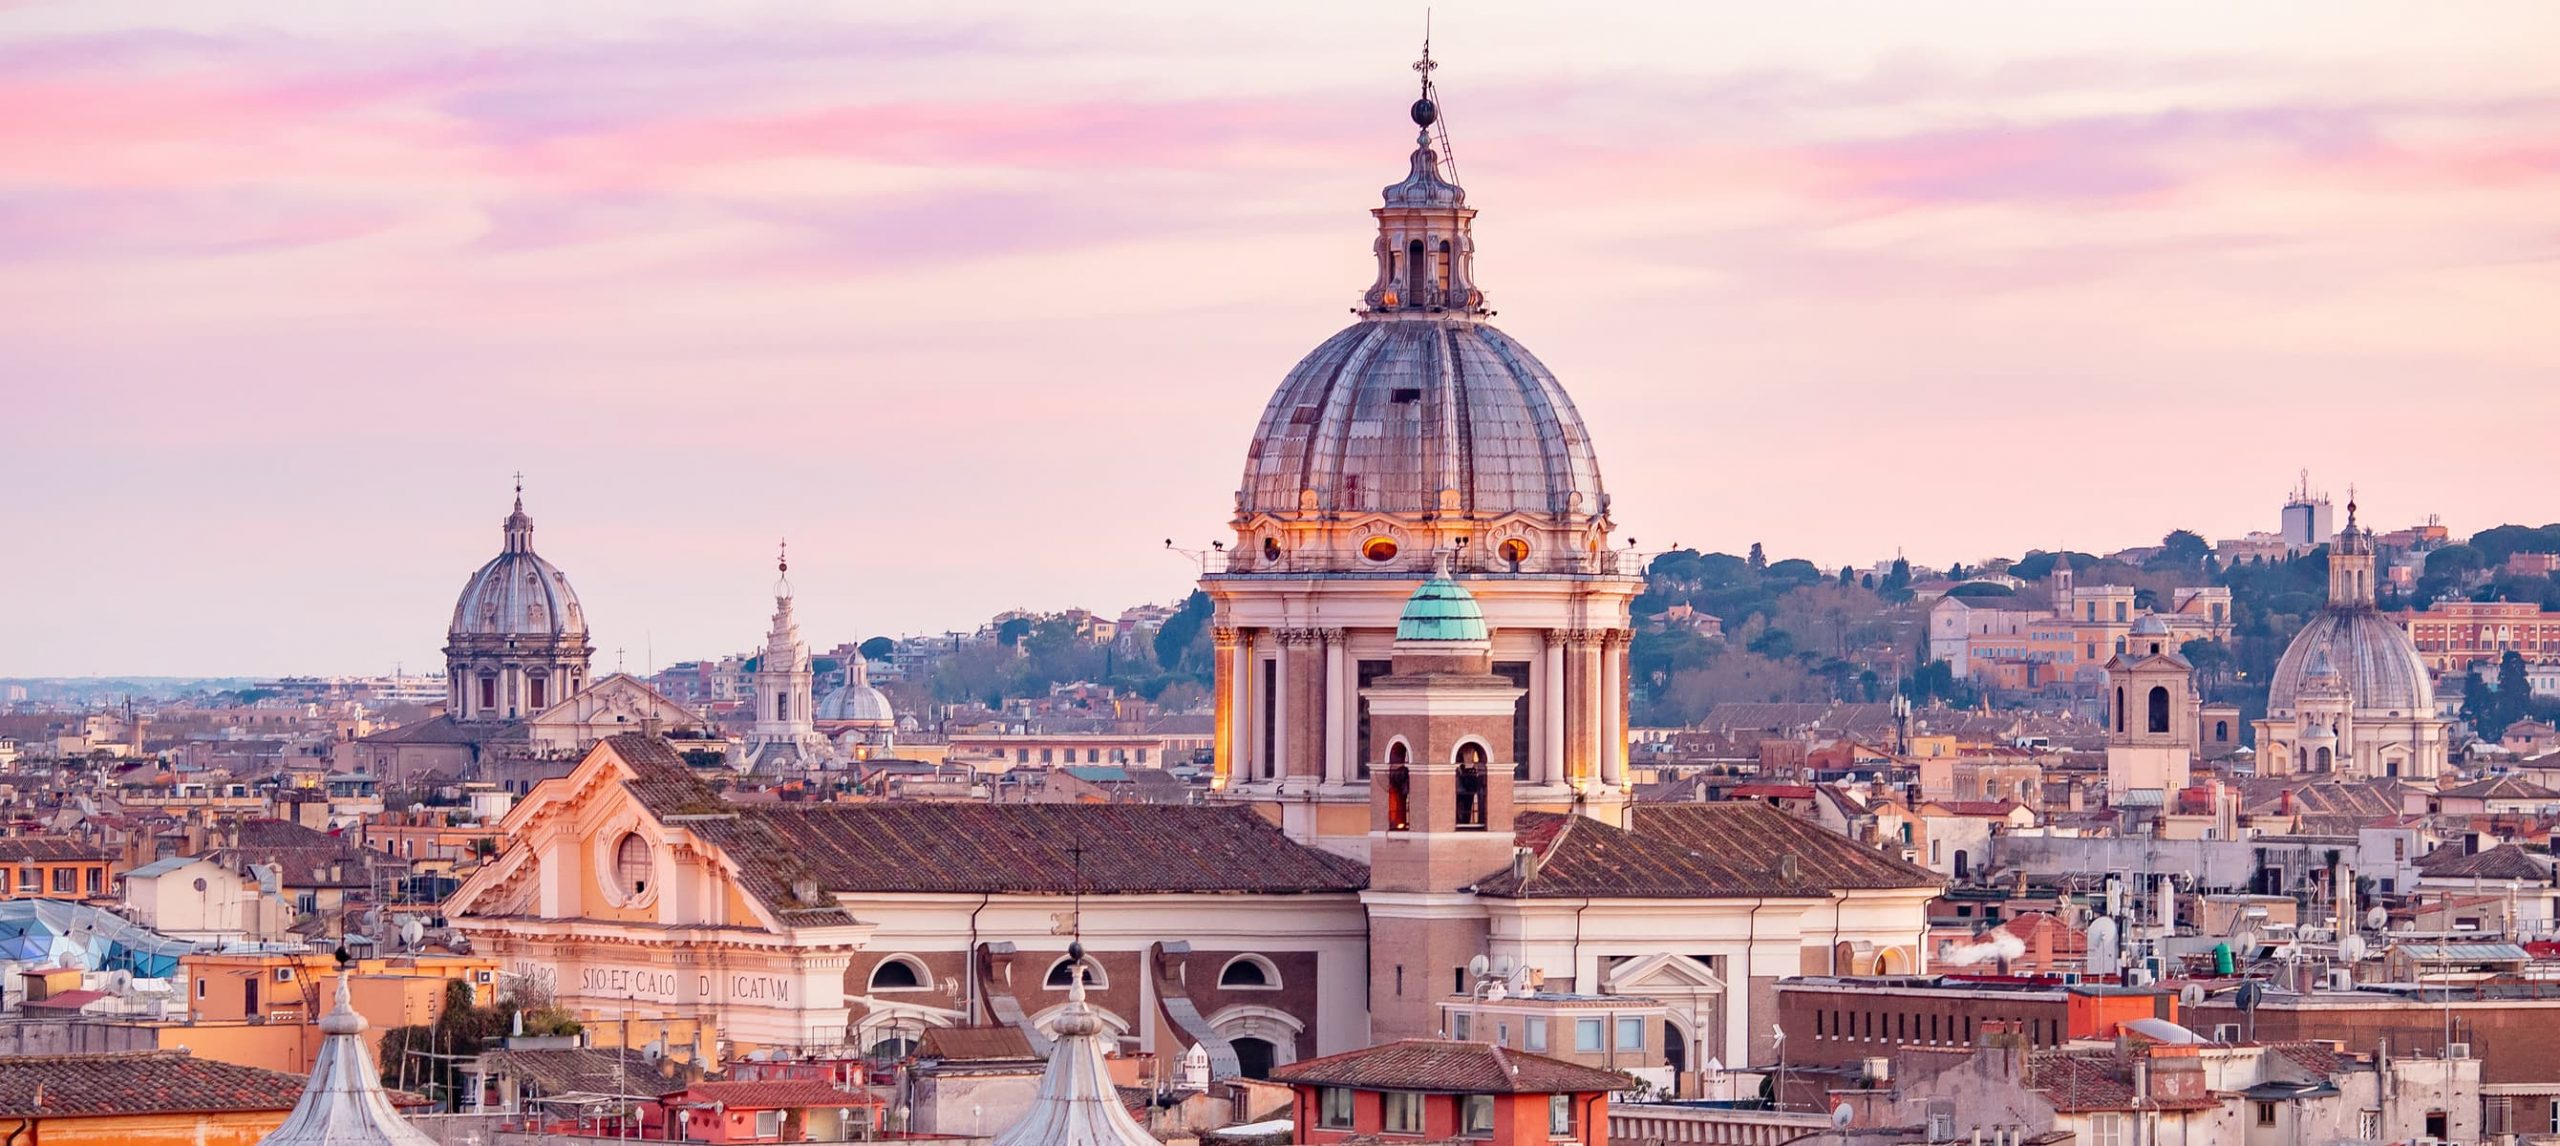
(1662, 973)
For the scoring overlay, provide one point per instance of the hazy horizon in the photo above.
(978, 307)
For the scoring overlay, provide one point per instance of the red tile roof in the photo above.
(157, 1082)
(67, 1000)
(771, 1094)
(1695, 851)
(1446, 1066)
(49, 849)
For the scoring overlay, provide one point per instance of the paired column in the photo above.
(1305, 707)
(1612, 709)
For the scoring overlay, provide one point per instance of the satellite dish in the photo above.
(2377, 918)
(2246, 998)
(2192, 995)
(2351, 949)
(1840, 1116)
(2103, 956)
(1477, 966)
(1502, 967)
(411, 931)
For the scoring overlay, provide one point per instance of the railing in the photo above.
(1667, 1125)
(1472, 563)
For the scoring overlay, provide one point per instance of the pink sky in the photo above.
(977, 306)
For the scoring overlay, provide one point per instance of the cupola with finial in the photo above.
(1426, 255)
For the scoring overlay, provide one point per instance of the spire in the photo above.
(1426, 255)
(1077, 1104)
(519, 526)
(782, 580)
(344, 1104)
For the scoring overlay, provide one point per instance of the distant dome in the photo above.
(2149, 626)
(1392, 411)
(2371, 657)
(518, 594)
(857, 702)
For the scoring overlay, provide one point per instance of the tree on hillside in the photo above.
(877, 649)
(2181, 549)
(2456, 562)
(1758, 559)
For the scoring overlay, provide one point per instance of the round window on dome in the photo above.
(1514, 550)
(1271, 549)
(1379, 549)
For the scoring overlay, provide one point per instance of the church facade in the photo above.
(1421, 772)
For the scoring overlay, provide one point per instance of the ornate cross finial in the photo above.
(785, 560)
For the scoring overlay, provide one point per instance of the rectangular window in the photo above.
(1586, 1036)
(1630, 1034)
(97, 880)
(1475, 1114)
(30, 881)
(1559, 1114)
(1368, 672)
(1270, 719)
(768, 1124)
(66, 880)
(2266, 1114)
(1517, 672)
(1403, 1113)
(2106, 1129)
(1333, 1107)
(1537, 1034)
(1462, 1026)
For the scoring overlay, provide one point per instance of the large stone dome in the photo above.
(1421, 416)
(857, 701)
(2374, 660)
(518, 594)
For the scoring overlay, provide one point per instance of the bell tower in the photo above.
(1440, 808)
(2153, 714)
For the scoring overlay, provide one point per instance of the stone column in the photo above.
(1611, 716)
(1229, 764)
(1582, 706)
(1550, 769)
(1338, 746)
(1303, 703)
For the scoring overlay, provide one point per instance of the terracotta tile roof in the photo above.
(158, 1082)
(1695, 851)
(1995, 809)
(975, 1044)
(2503, 788)
(770, 1094)
(67, 1000)
(2505, 861)
(1127, 848)
(588, 1070)
(2075, 1081)
(446, 730)
(1446, 1066)
(49, 849)
(892, 847)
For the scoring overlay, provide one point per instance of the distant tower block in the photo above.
(2308, 520)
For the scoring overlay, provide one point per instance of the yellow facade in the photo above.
(234, 1128)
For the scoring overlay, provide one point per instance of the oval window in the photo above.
(1515, 551)
(1379, 549)
(1271, 549)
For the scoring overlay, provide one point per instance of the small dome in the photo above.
(518, 594)
(856, 701)
(2363, 652)
(1441, 610)
(2150, 626)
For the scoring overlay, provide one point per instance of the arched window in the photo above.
(633, 865)
(1061, 974)
(1960, 864)
(1445, 272)
(2119, 725)
(782, 706)
(899, 974)
(1413, 273)
(1399, 788)
(2324, 759)
(2221, 731)
(1471, 787)
(2159, 708)
(1249, 973)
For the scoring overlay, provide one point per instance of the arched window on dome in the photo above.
(1471, 787)
(2159, 706)
(1413, 272)
(1445, 275)
(2324, 760)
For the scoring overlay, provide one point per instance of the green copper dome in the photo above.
(1441, 610)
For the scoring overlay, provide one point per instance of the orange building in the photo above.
(1441, 1090)
(146, 1099)
(55, 867)
(263, 1008)
(2458, 636)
